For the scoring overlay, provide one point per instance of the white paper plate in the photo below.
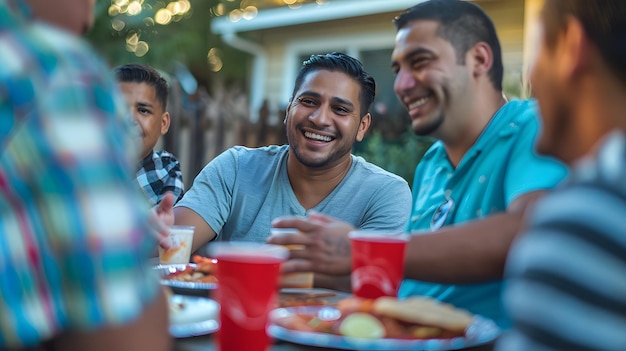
(198, 316)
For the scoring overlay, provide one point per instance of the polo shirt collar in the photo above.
(498, 127)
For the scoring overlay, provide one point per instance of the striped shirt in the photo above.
(73, 242)
(158, 173)
(567, 288)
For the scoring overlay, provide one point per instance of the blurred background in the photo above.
(231, 65)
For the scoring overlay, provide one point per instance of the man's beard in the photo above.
(316, 163)
(431, 127)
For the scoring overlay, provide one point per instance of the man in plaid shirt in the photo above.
(74, 230)
(146, 92)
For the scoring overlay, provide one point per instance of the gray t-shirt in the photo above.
(242, 190)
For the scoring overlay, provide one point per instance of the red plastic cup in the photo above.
(377, 263)
(247, 283)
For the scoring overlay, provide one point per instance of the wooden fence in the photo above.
(203, 126)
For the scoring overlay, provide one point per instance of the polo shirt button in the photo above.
(482, 179)
(447, 193)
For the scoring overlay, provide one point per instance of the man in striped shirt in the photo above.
(567, 273)
(73, 227)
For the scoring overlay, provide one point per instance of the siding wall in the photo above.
(222, 126)
(284, 45)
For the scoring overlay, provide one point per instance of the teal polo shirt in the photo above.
(498, 168)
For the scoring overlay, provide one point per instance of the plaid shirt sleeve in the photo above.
(73, 231)
(159, 173)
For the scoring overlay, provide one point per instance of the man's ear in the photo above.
(165, 122)
(573, 49)
(481, 59)
(364, 125)
(287, 113)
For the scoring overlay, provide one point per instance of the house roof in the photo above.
(308, 13)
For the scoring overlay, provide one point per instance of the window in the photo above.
(389, 116)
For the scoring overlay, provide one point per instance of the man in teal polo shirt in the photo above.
(499, 169)
(473, 185)
(449, 71)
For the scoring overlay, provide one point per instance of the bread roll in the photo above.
(425, 311)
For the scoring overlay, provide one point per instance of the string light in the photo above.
(164, 12)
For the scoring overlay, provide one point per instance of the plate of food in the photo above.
(416, 323)
(192, 316)
(195, 277)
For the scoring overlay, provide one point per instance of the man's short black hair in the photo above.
(138, 73)
(464, 25)
(340, 62)
(604, 21)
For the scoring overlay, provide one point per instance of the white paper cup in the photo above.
(293, 280)
(180, 239)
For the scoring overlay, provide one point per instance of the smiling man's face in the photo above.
(324, 118)
(147, 112)
(430, 82)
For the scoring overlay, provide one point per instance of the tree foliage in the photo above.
(399, 156)
(186, 39)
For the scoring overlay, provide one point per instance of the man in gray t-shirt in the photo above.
(238, 194)
(242, 190)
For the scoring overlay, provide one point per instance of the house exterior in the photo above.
(280, 38)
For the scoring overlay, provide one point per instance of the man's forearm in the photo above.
(473, 252)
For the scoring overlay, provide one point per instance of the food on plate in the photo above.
(294, 300)
(202, 272)
(426, 313)
(304, 297)
(355, 304)
(176, 305)
(362, 325)
(190, 309)
(385, 317)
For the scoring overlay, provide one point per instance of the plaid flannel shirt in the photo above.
(73, 227)
(158, 173)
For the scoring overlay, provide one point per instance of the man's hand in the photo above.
(327, 246)
(163, 218)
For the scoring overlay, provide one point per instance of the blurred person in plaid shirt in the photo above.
(74, 240)
(146, 92)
